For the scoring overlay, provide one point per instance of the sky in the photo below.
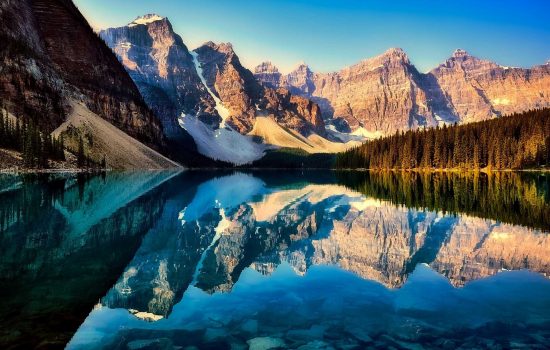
(331, 34)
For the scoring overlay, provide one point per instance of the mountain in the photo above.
(211, 96)
(386, 93)
(479, 89)
(52, 61)
(203, 107)
(162, 67)
(375, 96)
(268, 74)
(243, 95)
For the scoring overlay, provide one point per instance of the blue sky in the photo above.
(331, 34)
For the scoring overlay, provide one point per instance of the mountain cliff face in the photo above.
(268, 74)
(52, 57)
(162, 67)
(478, 89)
(300, 80)
(209, 83)
(386, 93)
(244, 97)
(208, 94)
(233, 84)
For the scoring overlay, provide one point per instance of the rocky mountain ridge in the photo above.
(208, 94)
(244, 96)
(171, 79)
(386, 93)
(162, 67)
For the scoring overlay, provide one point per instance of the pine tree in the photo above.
(61, 148)
(18, 136)
(476, 162)
(428, 150)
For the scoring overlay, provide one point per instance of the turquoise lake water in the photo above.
(275, 260)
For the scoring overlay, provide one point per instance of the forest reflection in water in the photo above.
(521, 198)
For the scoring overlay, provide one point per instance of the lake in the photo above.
(275, 260)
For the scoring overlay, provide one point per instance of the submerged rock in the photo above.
(266, 343)
(213, 334)
(250, 326)
(163, 343)
(361, 334)
(314, 333)
(317, 344)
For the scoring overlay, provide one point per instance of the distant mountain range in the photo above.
(387, 93)
(199, 106)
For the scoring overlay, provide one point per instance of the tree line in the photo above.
(36, 147)
(521, 140)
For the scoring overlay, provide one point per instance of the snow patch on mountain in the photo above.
(222, 110)
(500, 101)
(358, 136)
(271, 204)
(274, 134)
(144, 20)
(343, 136)
(367, 134)
(223, 144)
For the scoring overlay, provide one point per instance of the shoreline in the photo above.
(451, 170)
(90, 171)
(52, 171)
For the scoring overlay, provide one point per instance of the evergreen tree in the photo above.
(428, 150)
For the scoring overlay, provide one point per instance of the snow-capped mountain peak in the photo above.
(146, 19)
(460, 53)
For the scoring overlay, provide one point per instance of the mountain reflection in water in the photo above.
(299, 260)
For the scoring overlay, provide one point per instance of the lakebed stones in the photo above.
(266, 343)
